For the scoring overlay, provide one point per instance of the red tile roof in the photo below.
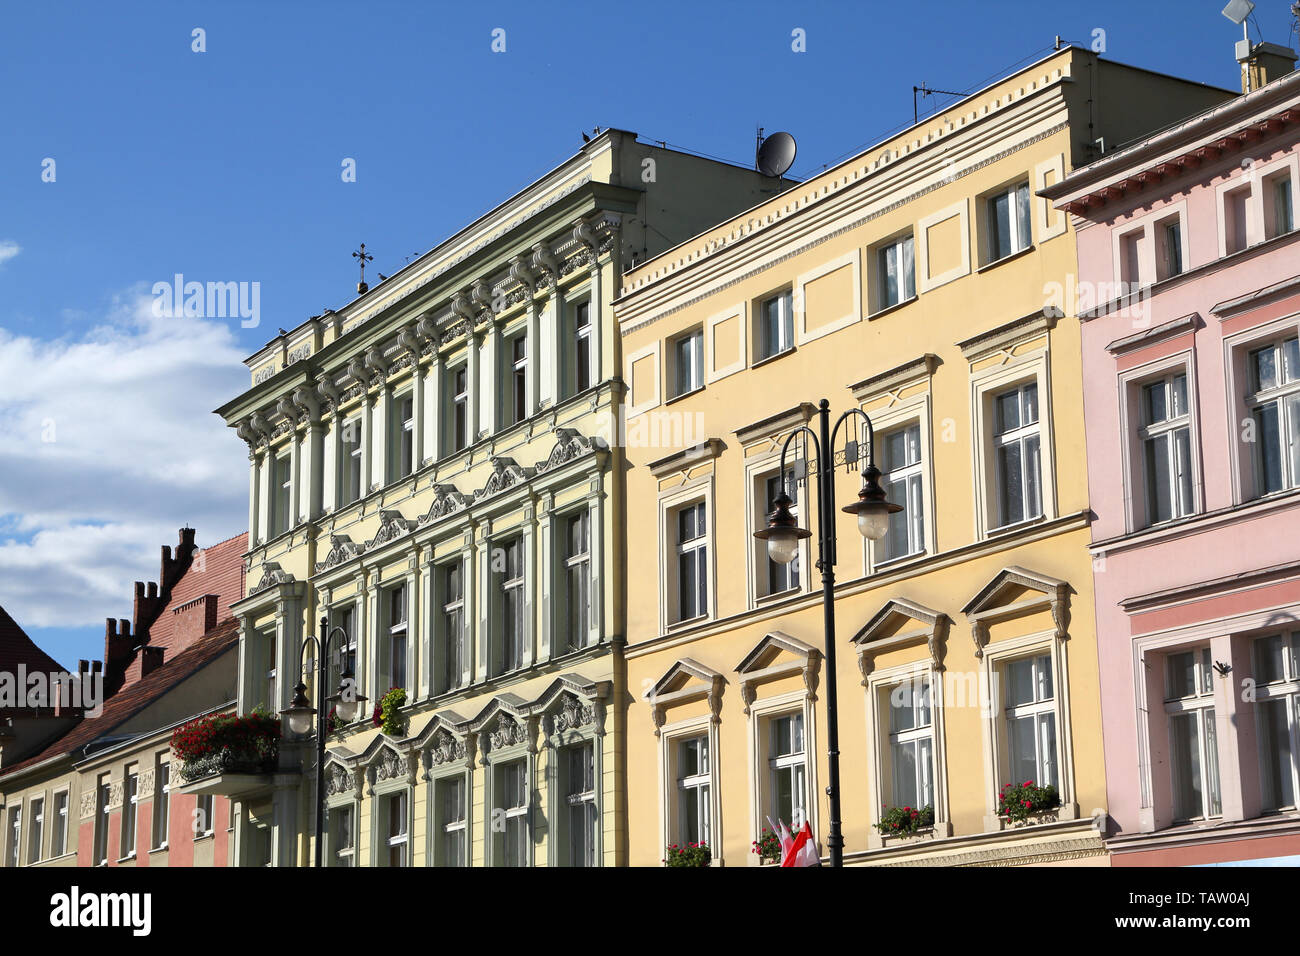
(217, 570)
(134, 697)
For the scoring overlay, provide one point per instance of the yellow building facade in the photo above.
(923, 282)
(431, 472)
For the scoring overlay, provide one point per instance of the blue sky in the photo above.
(225, 165)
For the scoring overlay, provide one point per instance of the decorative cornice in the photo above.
(1158, 333)
(1012, 333)
(775, 425)
(890, 379)
(686, 458)
(342, 549)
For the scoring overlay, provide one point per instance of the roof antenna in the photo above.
(926, 91)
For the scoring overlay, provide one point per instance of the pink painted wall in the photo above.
(1234, 545)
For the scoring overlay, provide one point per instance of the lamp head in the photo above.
(782, 533)
(872, 507)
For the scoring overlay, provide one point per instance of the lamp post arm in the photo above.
(869, 458)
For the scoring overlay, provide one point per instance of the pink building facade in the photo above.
(1189, 296)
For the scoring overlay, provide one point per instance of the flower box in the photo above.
(227, 744)
(1027, 804)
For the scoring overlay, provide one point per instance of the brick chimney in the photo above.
(1262, 63)
(118, 649)
(151, 658)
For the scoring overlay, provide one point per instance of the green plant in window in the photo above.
(768, 847)
(693, 854)
(901, 821)
(1018, 802)
(388, 716)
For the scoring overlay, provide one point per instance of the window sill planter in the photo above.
(226, 744)
(900, 839)
(1029, 805)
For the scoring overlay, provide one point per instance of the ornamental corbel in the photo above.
(307, 403)
(358, 372)
(288, 410)
(376, 363)
(937, 642)
(461, 305)
(410, 341)
(329, 392)
(748, 694)
(1061, 613)
(586, 235)
(427, 328)
(979, 632)
(658, 715)
(481, 296)
(261, 427)
(866, 663)
(810, 673)
(544, 260)
(523, 274)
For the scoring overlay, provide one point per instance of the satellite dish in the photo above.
(775, 154)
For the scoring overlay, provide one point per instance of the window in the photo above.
(581, 800)
(688, 362)
(1015, 440)
(1279, 212)
(459, 379)
(343, 836)
(694, 783)
(161, 803)
(344, 660)
(897, 272)
(1008, 216)
(1130, 260)
(581, 347)
(203, 816)
(36, 831)
(518, 382)
(1031, 721)
(911, 745)
(15, 835)
(1167, 448)
(350, 474)
(130, 811)
(692, 563)
(282, 485)
(1277, 693)
(452, 809)
(788, 770)
(403, 437)
(453, 626)
(397, 636)
(512, 784)
(577, 578)
(900, 464)
(102, 796)
(265, 669)
(775, 325)
(1275, 407)
(1194, 752)
(395, 824)
(510, 579)
(1236, 231)
(780, 577)
(1169, 248)
(59, 845)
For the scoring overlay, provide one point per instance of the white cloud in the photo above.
(8, 249)
(108, 445)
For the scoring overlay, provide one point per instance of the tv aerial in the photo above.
(774, 155)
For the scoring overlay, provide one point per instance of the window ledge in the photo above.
(686, 624)
(765, 599)
(997, 262)
(125, 859)
(159, 849)
(892, 308)
(1006, 530)
(902, 559)
(768, 359)
(682, 395)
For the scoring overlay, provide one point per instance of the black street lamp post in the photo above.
(346, 703)
(783, 535)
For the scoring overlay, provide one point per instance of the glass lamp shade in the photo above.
(299, 720)
(783, 545)
(873, 523)
(346, 710)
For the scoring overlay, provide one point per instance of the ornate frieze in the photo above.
(574, 713)
(569, 446)
(507, 732)
(337, 780)
(506, 473)
(446, 748)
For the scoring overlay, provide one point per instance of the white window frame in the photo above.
(398, 635)
(694, 491)
(698, 549)
(14, 857)
(452, 608)
(1201, 707)
(1182, 502)
(576, 566)
(761, 710)
(880, 684)
(1284, 690)
(457, 830)
(515, 408)
(403, 425)
(1285, 397)
(511, 649)
(901, 249)
(693, 341)
(583, 801)
(514, 812)
(103, 819)
(670, 824)
(36, 829)
(759, 470)
(985, 386)
(161, 822)
(580, 358)
(1133, 433)
(1020, 220)
(458, 408)
(351, 468)
(997, 761)
(764, 348)
(339, 856)
(1019, 435)
(399, 841)
(62, 817)
(1239, 392)
(281, 494)
(130, 811)
(1148, 232)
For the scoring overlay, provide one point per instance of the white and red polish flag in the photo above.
(799, 849)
